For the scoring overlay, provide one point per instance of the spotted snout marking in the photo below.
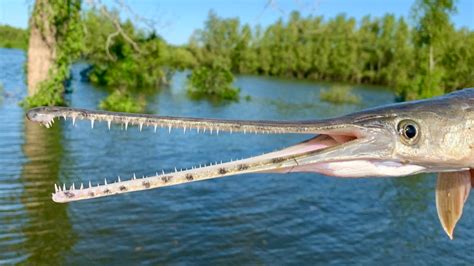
(146, 184)
(243, 167)
(166, 178)
(189, 177)
(222, 171)
(277, 160)
(69, 194)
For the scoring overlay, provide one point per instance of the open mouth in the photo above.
(337, 150)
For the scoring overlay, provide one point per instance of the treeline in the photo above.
(384, 51)
(421, 60)
(11, 37)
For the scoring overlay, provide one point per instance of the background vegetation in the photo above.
(133, 65)
(339, 94)
(421, 59)
(11, 37)
(427, 59)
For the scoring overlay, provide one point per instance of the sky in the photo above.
(175, 20)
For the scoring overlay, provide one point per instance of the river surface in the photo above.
(246, 219)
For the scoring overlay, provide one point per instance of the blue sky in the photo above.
(176, 20)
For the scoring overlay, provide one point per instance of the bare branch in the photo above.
(107, 44)
(120, 31)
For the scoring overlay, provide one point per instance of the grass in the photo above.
(339, 94)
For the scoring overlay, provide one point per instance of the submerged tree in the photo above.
(55, 41)
(213, 82)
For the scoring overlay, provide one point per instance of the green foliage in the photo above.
(339, 94)
(422, 86)
(212, 82)
(431, 37)
(50, 92)
(383, 51)
(117, 64)
(123, 101)
(11, 37)
(65, 17)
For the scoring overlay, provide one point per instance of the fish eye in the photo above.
(409, 131)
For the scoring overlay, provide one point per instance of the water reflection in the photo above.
(413, 201)
(48, 232)
(413, 194)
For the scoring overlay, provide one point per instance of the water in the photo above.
(246, 219)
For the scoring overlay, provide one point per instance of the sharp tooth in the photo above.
(92, 123)
(141, 126)
(175, 170)
(71, 188)
(169, 128)
(163, 171)
(105, 181)
(198, 130)
(64, 187)
(74, 120)
(65, 118)
(245, 131)
(90, 185)
(211, 130)
(126, 125)
(134, 177)
(184, 130)
(55, 188)
(155, 126)
(119, 179)
(231, 131)
(108, 123)
(217, 131)
(82, 186)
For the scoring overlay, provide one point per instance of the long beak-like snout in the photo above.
(344, 146)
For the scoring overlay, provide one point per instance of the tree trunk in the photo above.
(41, 46)
(431, 59)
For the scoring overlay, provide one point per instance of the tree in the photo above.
(55, 40)
(430, 39)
